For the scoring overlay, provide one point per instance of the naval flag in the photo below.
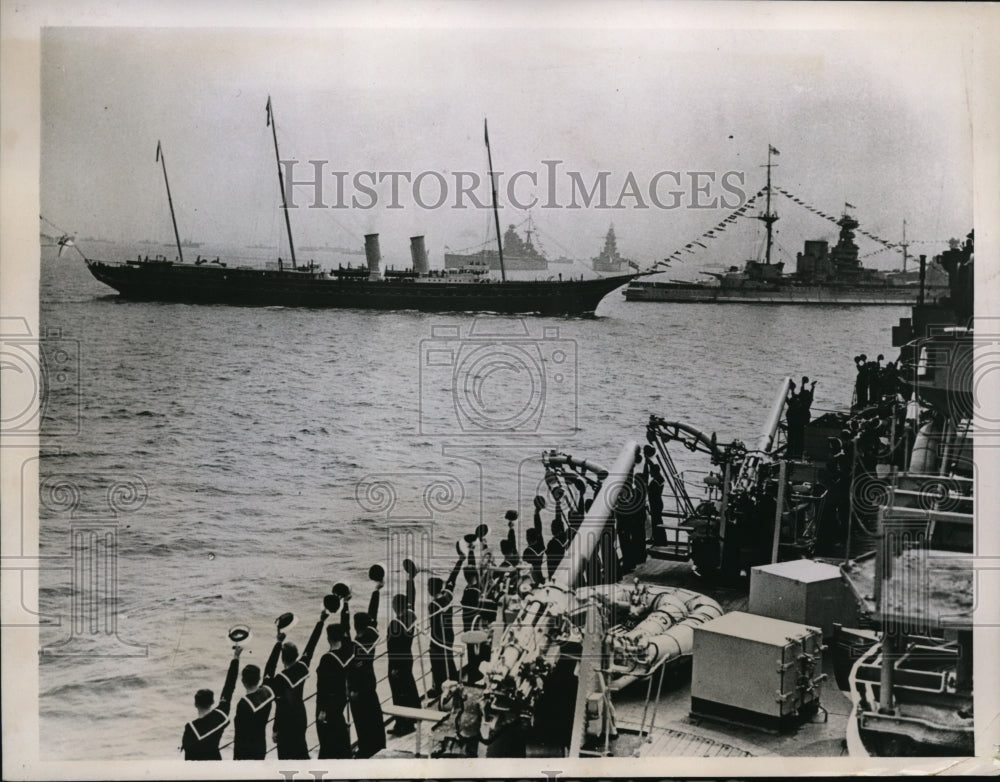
(772, 150)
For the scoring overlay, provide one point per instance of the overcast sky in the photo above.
(879, 120)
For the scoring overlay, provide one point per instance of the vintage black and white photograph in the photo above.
(446, 389)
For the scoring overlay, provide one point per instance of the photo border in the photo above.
(20, 60)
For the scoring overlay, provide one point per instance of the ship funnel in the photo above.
(419, 254)
(373, 255)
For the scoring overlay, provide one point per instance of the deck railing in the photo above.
(385, 695)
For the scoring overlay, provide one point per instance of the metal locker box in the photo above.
(756, 671)
(803, 591)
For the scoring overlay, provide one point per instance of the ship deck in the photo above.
(664, 727)
(676, 733)
(661, 727)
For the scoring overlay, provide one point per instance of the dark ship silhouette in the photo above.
(518, 255)
(463, 289)
(609, 259)
(823, 275)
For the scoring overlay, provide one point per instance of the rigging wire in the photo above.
(65, 239)
(721, 227)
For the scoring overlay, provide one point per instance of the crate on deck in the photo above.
(756, 671)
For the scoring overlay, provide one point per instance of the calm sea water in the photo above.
(247, 454)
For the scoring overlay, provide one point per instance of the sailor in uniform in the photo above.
(508, 546)
(556, 548)
(366, 710)
(252, 713)
(534, 552)
(480, 555)
(655, 495)
(535, 537)
(442, 628)
(875, 380)
(637, 515)
(511, 518)
(290, 713)
(861, 383)
(202, 734)
(399, 644)
(630, 515)
(576, 513)
(471, 620)
(504, 575)
(331, 690)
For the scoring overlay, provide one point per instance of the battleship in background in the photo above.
(518, 255)
(523, 255)
(823, 275)
(609, 259)
(281, 284)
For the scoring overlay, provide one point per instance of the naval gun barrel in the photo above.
(573, 469)
(770, 428)
(601, 512)
(555, 459)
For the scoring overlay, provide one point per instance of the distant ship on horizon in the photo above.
(609, 259)
(183, 243)
(326, 248)
(518, 255)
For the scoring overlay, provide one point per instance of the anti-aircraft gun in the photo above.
(556, 634)
(754, 507)
(579, 636)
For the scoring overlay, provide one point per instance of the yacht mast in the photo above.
(493, 189)
(161, 158)
(281, 181)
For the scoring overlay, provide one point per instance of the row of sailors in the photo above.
(874, 380)
(345, 673)
(345, 678)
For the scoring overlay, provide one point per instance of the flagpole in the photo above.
(163, 162)
(904, 245)
(493, 189)
(768, 218)
(281, 181)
